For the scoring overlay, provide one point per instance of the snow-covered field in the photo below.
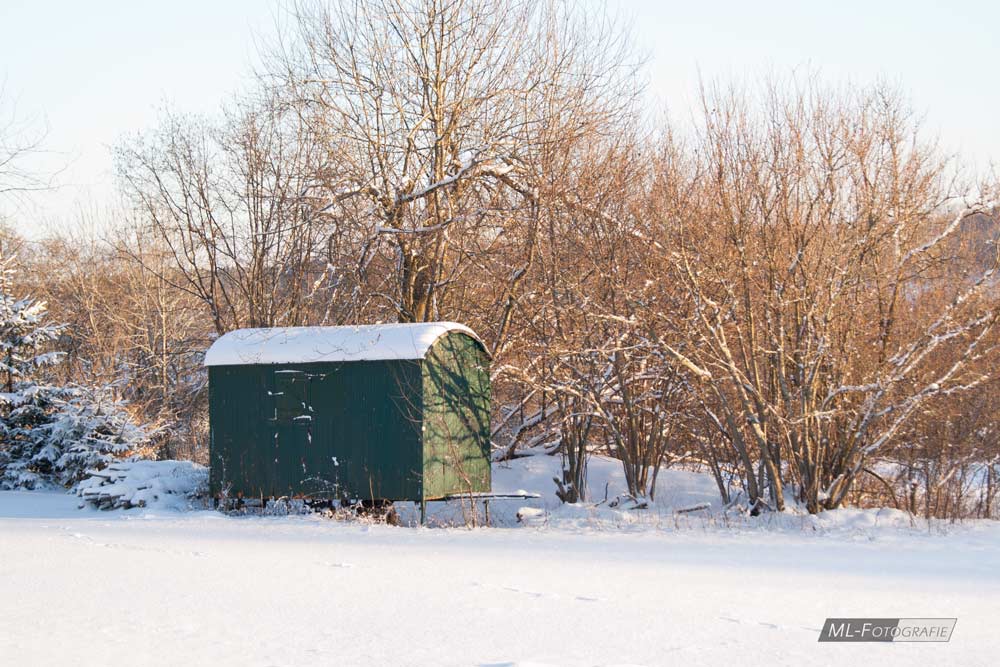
(575, 587)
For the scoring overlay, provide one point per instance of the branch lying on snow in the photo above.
(534, 420)
(693, 508)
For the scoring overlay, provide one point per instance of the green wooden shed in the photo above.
(376, 412)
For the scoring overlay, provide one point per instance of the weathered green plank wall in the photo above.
(317, 429)
(456, 417)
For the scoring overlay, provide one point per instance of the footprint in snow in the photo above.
(772, 626)
(534, 664)
(523, 592)
(533, 594)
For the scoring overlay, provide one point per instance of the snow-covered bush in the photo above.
(52, 434)
(26, 458)
(163, 484)
(93, 429)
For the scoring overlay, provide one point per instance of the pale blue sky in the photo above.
(93, 71)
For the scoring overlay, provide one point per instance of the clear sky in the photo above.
(93, 71)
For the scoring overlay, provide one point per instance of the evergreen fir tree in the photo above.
(51, 434)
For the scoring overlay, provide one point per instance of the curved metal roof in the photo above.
(285, 345)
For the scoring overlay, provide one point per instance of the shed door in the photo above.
(293, 416)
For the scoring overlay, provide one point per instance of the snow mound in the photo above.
(161, 484)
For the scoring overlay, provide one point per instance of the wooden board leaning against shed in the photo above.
(379, 412)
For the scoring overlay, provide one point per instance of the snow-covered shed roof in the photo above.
(289, 345)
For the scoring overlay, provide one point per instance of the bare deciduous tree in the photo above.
(819, 328)
(228, 202)
(442, 123)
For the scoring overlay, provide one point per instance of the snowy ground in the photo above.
(580, 587)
